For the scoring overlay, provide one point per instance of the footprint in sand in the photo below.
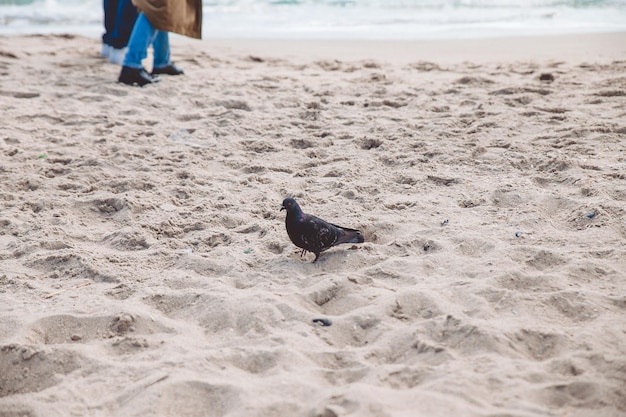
(25, 368)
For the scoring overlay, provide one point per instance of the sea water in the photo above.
(342, 19)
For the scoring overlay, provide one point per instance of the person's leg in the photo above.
(161, 47)
(124, 23)
(110, 13)
(142, 36)
(126, 17)
(162, 60)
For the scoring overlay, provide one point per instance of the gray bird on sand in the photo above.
(313, 234)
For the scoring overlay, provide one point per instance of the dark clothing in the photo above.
(119, 19)
(126, 16)
(110, 14)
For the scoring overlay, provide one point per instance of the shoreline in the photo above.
(576, 48)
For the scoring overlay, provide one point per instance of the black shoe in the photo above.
(171, 69)
(136, 76)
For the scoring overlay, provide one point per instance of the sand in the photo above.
(145, 269)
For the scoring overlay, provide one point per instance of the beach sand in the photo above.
(145, 269)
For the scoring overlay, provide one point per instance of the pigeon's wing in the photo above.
(327, 234)
(317, 234)
(321, 235)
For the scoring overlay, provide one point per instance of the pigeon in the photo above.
(313, 234)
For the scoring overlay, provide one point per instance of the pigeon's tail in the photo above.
(350, 236)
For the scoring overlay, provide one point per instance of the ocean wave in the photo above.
(342, 18)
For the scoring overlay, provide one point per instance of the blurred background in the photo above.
(342, 19)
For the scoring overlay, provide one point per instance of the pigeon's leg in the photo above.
(302, 252)
(317, 255)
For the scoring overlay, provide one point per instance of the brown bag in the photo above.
(179, 16)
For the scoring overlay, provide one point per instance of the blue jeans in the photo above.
(144, 35)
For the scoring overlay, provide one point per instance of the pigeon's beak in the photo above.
(282, 208)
